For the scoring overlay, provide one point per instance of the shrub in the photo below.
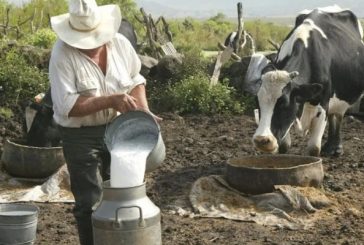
(262, 32)
(20, 80)
(193, 63)
(189, 90)
(195, 95)
(6, 113)
(201, 34)
(43, 38)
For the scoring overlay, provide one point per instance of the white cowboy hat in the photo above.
(87, 26)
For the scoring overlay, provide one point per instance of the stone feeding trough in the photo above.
(31, 162)
(259, 174)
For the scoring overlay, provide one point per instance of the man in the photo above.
(94, 74)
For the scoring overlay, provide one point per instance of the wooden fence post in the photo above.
(160, 39)
(228, 52)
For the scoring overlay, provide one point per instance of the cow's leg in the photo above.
(333, 145)
(337, 109)
(317, 130)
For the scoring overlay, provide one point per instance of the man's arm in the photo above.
(88, 105)
(139, 94)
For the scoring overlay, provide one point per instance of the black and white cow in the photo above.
(319, 66)
(231, 41)
(127, 29)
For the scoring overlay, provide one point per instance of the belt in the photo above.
(85, 129)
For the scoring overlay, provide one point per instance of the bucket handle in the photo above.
(117, 222)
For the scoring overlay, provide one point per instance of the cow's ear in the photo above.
(252, 81)
(287, 88)
(306, 92)
(300, 18)
(253, 86)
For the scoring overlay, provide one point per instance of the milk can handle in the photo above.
(141, 220)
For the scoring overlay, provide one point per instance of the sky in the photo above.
(251, 8)
(258, 8)
(15, 1)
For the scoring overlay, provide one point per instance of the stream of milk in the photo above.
(128, 162)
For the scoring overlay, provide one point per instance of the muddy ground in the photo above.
(200, 146)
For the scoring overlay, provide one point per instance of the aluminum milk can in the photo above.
(126, 216)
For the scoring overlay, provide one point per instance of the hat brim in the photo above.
(104, 32)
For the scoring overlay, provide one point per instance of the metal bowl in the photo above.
(24, 161)
(137, 129)
(259, 174)
(18, 223)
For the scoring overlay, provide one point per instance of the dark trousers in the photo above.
(88, 163)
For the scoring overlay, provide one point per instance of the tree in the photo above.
(220, 17)
(17, 21)
(128, 7)
(42, 10)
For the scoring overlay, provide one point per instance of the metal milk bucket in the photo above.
(126, 216)
(18, 223)
(131, 125)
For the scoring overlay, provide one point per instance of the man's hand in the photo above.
(157, 118)
(86, 105)
(124, 102)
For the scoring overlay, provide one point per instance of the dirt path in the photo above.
(199, 146)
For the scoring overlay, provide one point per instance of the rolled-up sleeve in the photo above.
(134, 64)
(62, 78)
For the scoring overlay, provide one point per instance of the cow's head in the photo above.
(278, 95)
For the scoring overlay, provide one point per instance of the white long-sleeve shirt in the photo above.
(72, 73)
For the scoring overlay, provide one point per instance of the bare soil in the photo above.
(200, 146)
